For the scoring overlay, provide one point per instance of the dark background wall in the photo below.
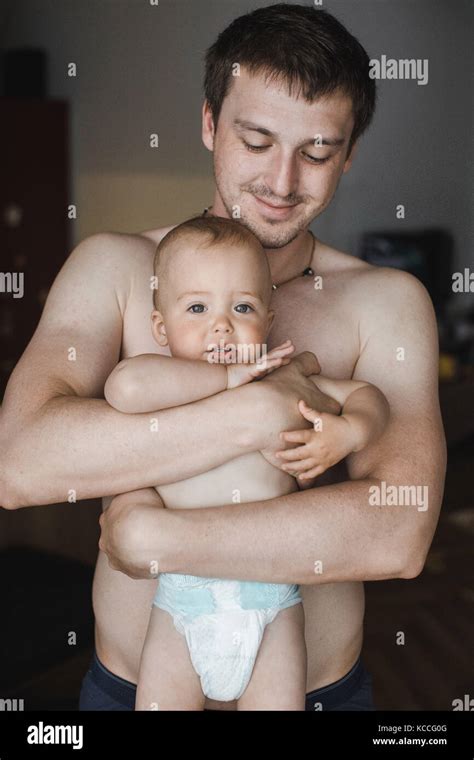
(139, 70)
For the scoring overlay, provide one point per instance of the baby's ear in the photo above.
(158, 329)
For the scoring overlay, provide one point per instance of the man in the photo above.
(282, 125)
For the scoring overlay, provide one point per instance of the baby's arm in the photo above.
(150, 382)
(364, 415)
(364, 407)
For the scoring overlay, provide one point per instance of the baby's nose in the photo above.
(223, 325)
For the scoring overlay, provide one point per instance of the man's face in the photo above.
(285, 168)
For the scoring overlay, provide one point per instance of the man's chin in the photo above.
(271, 234)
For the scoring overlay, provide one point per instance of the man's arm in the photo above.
(57, 433)
(280, 540)
(144, 498)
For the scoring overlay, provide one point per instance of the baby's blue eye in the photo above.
(198, 306)
(246, 306)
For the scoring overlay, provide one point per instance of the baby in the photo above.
(228, 639)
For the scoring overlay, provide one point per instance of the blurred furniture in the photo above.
(34, 241)
(427, 254)
(34, 237)
(457, 407)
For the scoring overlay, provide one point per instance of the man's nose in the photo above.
(281, 178)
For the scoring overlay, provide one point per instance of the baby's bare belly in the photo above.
(333, 612)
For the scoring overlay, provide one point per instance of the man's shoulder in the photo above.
(368, 279)
(374, 290)
(146, 239)
(387, 284)
(156, 235)
(385, 298)
(330, 261)
(125, 248)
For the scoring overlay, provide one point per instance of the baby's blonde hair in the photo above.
(209, 230)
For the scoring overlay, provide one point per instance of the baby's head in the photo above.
(214, 289)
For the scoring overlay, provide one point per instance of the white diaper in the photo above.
(223, 622)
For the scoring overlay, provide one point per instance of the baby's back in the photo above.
(247, 478)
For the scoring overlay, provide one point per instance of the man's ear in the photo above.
(207, 127)
(158, 328)
(350, 157)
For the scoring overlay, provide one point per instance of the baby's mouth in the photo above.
(219, 349)
(221, 353)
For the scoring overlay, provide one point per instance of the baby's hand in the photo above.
(331, 439)
(240, 374)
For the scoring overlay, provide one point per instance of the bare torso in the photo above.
(320, 320)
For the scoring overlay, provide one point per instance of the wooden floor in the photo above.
(434, 612)
(434, 616)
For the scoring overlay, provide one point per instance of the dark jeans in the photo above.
(102, 690)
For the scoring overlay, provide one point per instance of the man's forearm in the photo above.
(322, 535)
(83, 448)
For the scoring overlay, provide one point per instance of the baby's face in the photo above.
(215, 304)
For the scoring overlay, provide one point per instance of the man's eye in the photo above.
(316, 160)
(254, 148)
(245, 306)
(196, 306)
(259, 148)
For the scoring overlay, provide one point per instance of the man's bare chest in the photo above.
(316, 321)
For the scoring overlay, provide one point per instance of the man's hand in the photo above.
(286, 386)
(126, 524)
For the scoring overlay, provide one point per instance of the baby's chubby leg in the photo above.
(167, 679)
(278, 679)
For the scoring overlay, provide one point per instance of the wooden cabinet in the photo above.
(34, 226)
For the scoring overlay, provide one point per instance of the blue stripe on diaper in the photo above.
(187, 594)
(257, 596)
(192, 595)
